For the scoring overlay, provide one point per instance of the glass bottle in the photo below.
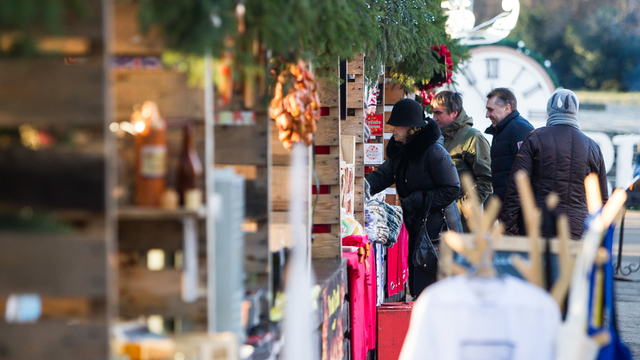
(151, 155)
(189, 179)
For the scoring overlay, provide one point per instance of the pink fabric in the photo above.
(397, 267)
(355, 240)
(356, 276)
(362, 297)
(393, 256)
(403, 255)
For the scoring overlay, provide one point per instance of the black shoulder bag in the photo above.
(425, 253)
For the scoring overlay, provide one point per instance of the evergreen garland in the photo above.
(38, 15)
(409, 29)
(24, 19)
(395, 33)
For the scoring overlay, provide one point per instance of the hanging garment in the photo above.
(362, 279)
(403, 251)
(480, 318)
(397, 264)
(392, 270)
(381, 273)
(616, 349)
(371, 298)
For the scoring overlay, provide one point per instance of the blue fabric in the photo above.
(616, 350)
(636, 166)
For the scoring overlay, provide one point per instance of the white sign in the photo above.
(623, 157)
(373, 154)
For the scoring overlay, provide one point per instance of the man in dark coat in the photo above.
(557, 158)
(425, 177)
(509, 130)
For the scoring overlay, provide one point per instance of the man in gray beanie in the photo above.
(557, 158)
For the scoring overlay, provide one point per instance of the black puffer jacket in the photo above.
(506, 136)
(557, 159)
(420, 168)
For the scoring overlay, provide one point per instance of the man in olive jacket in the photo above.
(469, 149)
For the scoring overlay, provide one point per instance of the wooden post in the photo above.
(354, 125)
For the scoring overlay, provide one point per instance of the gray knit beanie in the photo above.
(562, 108)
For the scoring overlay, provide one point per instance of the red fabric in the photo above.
(403, 255)
(355, 271)
(361, 268)
(397, 267)
(393, 256)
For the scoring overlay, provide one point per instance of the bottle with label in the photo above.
(151, 155)
(189, 179)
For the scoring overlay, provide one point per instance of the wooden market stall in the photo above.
(109, 113)
(56, 233)
(239, 142)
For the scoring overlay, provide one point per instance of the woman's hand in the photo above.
(412, 203)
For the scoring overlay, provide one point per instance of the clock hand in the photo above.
(472, 81)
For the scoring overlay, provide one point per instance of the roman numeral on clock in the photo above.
(492, 68)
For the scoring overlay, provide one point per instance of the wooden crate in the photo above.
(46, 91)
(327, 167)
(54, 340)
(279, 229)
(66, 261)
(167, 87)
(127, 39)
(139, 294)
(392, 93)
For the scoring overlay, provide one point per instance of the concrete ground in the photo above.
(628, 309)
(627, 285)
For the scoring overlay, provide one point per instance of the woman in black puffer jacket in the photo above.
(423, 173)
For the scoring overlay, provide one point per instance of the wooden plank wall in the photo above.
(354, 125)
(245, 149)
(64, 262)
(327, 240)
(279, 190)
(392, 93)
(138, 292)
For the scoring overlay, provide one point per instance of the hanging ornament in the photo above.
(426, 90)
(224, 77)
(297, 112)
(240, 11)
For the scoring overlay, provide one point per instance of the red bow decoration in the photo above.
(426, 90)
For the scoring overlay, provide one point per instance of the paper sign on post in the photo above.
(375, 124)
(373, 154)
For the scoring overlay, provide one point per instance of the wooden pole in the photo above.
(532, 271)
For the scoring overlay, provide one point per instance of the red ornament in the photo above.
(426, 90)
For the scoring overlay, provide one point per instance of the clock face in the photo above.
(497, 66)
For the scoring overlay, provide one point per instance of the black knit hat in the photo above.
(407, 112)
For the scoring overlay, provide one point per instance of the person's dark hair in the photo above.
(504, 96)
(451, 100)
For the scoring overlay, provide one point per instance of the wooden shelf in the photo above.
(141, 213)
